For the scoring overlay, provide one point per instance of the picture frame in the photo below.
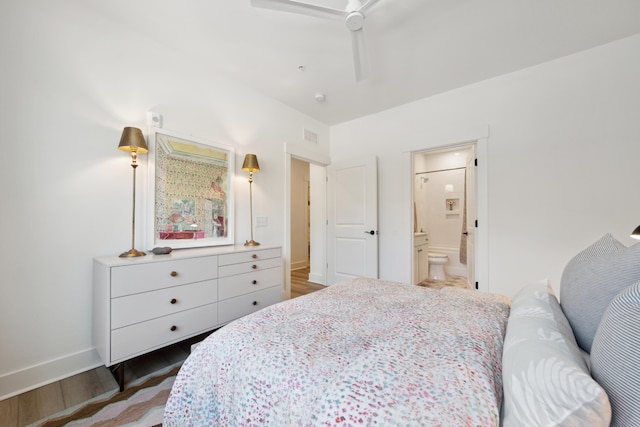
(190, 199)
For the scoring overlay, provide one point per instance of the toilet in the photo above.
(436, 266)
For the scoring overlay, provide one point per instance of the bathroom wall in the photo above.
(439, 199)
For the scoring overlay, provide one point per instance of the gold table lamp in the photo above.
(251, 165)
(132, 141)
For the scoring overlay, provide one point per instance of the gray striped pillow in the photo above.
(591, 280)
(615, 356)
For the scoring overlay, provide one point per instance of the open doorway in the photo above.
(310, 187)
(444, 195)
(300, 240)
(305, 276)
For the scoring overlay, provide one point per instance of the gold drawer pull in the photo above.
(174, 328)
(173, 300)
(255, 282)
(174, 273)
(254, 256)
(254, 266)
(255, 303)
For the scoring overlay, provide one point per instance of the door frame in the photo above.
(319, 159)
(482, 231)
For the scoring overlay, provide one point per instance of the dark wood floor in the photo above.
(300, 285)
(34, 405)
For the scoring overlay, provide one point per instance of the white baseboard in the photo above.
(299, 265)
(17, 382)
(316, 278)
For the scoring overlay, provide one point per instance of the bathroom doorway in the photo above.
(444, 214)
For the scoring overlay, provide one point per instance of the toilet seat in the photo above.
(437, 255)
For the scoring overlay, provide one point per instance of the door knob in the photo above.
(372, 232)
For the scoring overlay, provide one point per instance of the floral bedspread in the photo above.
(361, 352)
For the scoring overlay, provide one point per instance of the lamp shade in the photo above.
(133, 141)
(250, 163)
(636, 233)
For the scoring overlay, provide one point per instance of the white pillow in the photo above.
(546, 380)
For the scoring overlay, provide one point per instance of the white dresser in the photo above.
(146, 303)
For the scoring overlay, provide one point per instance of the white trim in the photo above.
(317, 278)
(449, 138)
(318, 261)
(32, 377)
(307, 155)
(482, 214)
(286, 242)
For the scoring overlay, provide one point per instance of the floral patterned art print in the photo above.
(192, 198)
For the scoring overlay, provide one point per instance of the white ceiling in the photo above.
(417, 48)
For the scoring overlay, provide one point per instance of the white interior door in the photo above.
(470, 201)
(352, 214)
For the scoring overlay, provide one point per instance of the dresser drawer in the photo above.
(133, 279)
(246, 267)
(247, 256)
(232, 286)
(234, 308)
(138, 308)
(142, 337)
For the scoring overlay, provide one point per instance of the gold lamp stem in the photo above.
(132, 141)
(251, 242)
(133, 252)
(250, 165)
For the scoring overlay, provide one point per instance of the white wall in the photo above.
(71, 80)
(562, 160)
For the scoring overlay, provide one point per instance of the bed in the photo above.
(360, 352)
(375, 352)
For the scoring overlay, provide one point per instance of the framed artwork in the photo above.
(190, 187)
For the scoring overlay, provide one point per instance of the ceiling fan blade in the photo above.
(367, 5)
(301, 8)
(360, 58)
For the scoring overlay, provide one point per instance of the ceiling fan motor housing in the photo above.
(354, 21)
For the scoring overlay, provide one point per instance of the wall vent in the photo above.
(310, 136)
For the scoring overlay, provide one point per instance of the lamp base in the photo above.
(251, 243)
(131, 253)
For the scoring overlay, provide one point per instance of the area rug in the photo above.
(455, 281)
(141, 404)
